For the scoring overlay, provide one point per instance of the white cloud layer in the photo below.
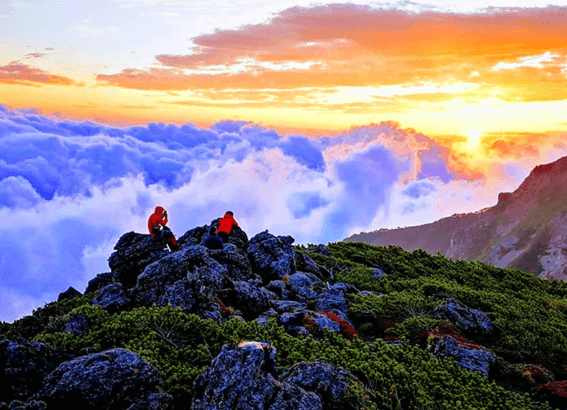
(69, 190)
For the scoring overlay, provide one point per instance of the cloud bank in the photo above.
(69, 190)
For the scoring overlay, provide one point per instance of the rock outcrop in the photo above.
(113, 379)
(238, 379)
(260, 279)
(23, 367)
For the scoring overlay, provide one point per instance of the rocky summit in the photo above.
(263, 324)
(524, 230)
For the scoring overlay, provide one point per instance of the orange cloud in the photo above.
(17, 73)
(352, 45)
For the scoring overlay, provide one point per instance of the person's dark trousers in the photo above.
(168, 236)
(223, 236)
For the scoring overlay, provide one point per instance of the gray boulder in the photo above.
(77, 325)
(264, 318)
(332, 301)
(291, 397)
(279, 288)
(330, 384)
(193, 236)
(180, 294)
(133, 252)
(323, 322)
(112, 298)
(468, 357)
(235, 261)
(306, 264)
(282, 306)
(29, 405)
(378, 273)
(192, 264)
(320, 249)
(239, 379)
(23, 366)
(249, 298)
(272, 257)
(467, 318)
(114, 379)
(100, 281)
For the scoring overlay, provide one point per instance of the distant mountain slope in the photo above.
(525, 230)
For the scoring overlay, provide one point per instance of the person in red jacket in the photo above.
(157, 227)
(225, 226)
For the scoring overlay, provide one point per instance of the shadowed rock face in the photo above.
(477, 360)
(116, 379)
(23, 366)
(238, 380)
(467, 318)
(524, 230)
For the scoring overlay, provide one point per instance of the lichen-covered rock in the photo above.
(100, 281)
(234, 382)
(468, 357)
(282, 306)
(279, 288)
(239, 379)
(70, 293)
(112, 298)
(191, 264)
(306, 264)
(331, 301)
(114, 379)
(330, 384)
(272, 257)
(179, 294)
(467, 318)
(378, 273)
(251, 299)
(135, 251)
(264, 318)
(29, 405)
(293, 318)
(235, 261)
(291, 397)
(77, 325)
(300, 279)
(320, 248)
(323, 322)
(193, 236)
(23, 366)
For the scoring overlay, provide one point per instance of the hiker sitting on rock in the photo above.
(157, 227)
(213, 241)
(225, 225)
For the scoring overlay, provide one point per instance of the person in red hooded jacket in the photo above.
(157, 227)
(225, 226)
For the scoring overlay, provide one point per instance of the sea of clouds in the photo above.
(69, 190)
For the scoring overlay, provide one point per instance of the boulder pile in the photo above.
(260, 279)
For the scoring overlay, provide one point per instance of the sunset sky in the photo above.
(316, 120)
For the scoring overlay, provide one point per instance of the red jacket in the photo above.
(226, 223)
(156, 219)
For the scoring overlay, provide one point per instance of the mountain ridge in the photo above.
(523, 230)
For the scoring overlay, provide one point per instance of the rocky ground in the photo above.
(260, 279)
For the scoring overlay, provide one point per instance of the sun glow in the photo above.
(473, 139)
